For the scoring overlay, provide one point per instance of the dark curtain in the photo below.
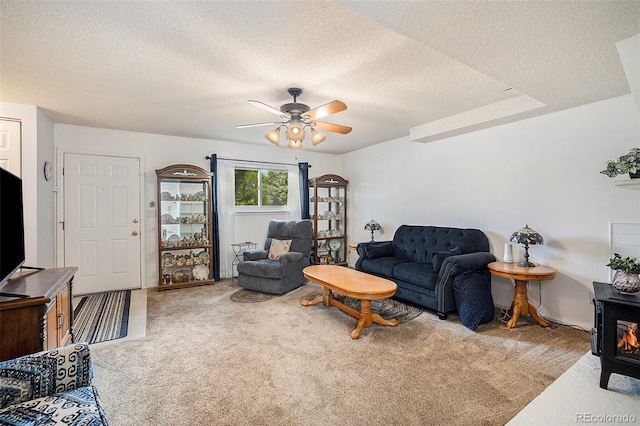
(213, 168)
(304, 190)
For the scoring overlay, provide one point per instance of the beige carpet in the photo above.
(209, 361)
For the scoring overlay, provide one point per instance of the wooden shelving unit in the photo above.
(328, 207)
(185, 250)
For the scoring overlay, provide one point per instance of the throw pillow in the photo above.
(440, 256)
(278, 248)
(375, 250)
(472, 294)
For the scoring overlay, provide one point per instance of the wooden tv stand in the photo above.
(44, 319)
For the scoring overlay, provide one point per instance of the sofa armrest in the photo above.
(363, 253)
(45, 373)
(290, 257)
(255, 254)
(454, 265)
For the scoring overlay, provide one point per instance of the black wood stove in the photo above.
(615, 337)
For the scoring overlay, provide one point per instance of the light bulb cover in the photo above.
(295, 132)
(273, 136)
(295, 144)
(316, 137)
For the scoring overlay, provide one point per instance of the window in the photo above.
(261, 188)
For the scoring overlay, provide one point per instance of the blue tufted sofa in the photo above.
(50, 388)
(424, 260)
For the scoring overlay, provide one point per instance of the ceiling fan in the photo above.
(295, 117)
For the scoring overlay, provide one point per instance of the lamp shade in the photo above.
(274, 136)
(527, 237)
(295, 133)
(295, 144)
(316, 137)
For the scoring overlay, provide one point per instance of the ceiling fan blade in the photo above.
(326, 109)
(244, 126)
(329, 127)
(268, 108)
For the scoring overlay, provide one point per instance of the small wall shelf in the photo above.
(628, 184)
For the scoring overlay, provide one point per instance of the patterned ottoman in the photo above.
(50, 388)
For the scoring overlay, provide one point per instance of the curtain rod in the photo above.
(250, 161)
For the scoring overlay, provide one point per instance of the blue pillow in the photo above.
(374, 250)
(472, 294)
(440, 256)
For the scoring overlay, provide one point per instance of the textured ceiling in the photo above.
(429, 68)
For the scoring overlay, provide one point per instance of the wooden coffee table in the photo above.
(351, 283)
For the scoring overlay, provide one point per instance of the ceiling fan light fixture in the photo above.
(297, 119)
(295, 133)
(316, 137)
(274, 136)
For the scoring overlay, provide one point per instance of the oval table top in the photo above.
(350, 282)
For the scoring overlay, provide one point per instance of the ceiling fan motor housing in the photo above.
(294, 108)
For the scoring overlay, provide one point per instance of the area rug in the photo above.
(102, 317)
(249, 296)
(386, 308)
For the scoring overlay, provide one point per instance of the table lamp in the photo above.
(372, 225)
(527, 237)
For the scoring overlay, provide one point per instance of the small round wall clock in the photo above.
(48, 170)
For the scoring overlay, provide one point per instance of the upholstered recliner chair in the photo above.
(270, 271)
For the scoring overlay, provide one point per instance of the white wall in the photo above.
(158, 151)
(542, 171)
(46, 192)
(38, 204)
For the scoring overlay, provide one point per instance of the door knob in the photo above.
(134, 233)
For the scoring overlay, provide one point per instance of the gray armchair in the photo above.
(257, 272)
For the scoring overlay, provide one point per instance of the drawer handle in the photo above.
(62, 319)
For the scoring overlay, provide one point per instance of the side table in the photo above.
(351, 247)
(238, 249)
(521, 275)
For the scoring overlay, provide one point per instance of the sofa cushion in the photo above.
(418, 243)
(382, 265)
(76, 407)
(418, 273)
(375, 250)
(440, 256)
(472, 293)
(262, 268)
(41, 374)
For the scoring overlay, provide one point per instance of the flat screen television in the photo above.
(12, 252)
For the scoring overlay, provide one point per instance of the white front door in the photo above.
(102, 222)
(10, 146)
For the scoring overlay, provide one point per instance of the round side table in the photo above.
(521, 275)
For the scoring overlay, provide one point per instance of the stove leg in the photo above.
(604, 379)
